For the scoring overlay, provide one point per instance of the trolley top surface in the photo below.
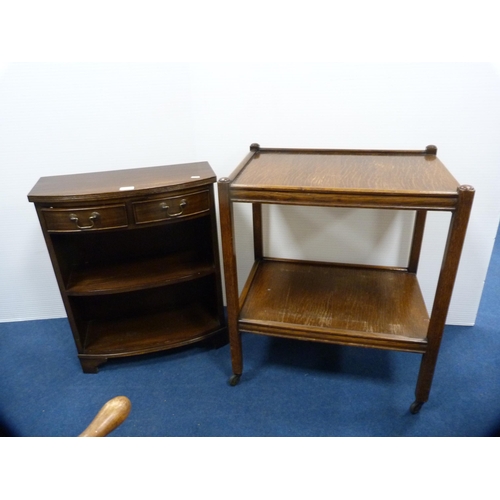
(347, 171)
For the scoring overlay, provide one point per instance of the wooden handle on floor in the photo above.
(110, 416)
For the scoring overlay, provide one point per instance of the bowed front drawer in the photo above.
(85, 219)
(171, 208)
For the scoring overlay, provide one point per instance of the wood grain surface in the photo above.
(340, 173)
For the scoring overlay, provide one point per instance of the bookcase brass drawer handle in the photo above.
(92, 218)
(182, 206)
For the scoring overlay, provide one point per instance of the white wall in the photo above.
(68, 118)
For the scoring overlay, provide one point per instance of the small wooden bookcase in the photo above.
(136, 257)
(356, 305)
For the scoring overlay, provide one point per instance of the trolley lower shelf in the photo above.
(335, 303)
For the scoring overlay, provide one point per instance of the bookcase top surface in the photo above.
(347, 172)
(121, 183)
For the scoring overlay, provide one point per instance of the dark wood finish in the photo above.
(76, 219)
(135, 253)
(368, 306)
(257, 231)
(164, 208)
(118, 183)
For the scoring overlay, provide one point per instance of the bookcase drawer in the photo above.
(171, 208)
(85, 219)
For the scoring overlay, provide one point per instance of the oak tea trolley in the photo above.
(355, 305)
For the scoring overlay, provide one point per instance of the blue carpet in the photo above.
(287, 389)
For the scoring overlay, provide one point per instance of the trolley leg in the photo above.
(231, 278)
(444, 289)
(424, 382)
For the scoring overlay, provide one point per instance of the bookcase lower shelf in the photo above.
(142, 335)
(335, 303)
(149, 333)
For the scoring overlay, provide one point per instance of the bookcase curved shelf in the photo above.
(137, 275)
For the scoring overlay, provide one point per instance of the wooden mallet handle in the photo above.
(110, 416)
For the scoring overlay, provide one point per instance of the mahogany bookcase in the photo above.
(354, 305)
(136, 257)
